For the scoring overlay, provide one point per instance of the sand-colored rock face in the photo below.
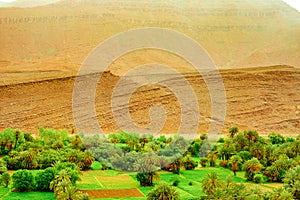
(42, 48)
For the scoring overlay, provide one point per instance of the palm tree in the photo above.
(227, 150)
(292, 181)
(240, 142)
(66, 191)
(211, 183)
(6, 179)
(236, 160)
(28, 159)
(77, 142)
(295, 147)
(212, 159)
(252, 167)
(233, 130)
(272, 173)
(75, 156)
(17, 134)
(258, 150)
(7, 139)
(251, 136)
(62, 176)
(87, 159)
(163, 192)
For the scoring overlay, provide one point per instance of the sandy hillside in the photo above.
(255, 44)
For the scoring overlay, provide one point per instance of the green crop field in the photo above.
(29, 196)
(189, 186)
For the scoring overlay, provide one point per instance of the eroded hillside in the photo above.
(265, 99)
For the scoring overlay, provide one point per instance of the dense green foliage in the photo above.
(53, 161)
(23, 180)
(5, 179)
(52, 152)
(51, 147)
(43, 179)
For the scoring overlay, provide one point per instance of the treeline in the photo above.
(22, 151)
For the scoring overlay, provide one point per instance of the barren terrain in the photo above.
(264, 99)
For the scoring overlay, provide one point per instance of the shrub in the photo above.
(142, 178)
(259, 178)
(175, 181)
(28, 137)
(43, 179)
(190, 183)
(48, 157)
(3, 166)
(276, 138)
(188, 163)
(245, 155)
(195, 147)
(203, 162)
(221, 140)
(23, 180)
(96, 165)
(252, 167)
(5, 179)
(290, 139)
(203, 136)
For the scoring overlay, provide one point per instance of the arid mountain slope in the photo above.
(235, 33)
(265, 99)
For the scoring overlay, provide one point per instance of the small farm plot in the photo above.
(109, 184)
(116, 193)
(97, 180)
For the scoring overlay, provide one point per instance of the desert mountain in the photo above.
(43, 47)
(235, 33)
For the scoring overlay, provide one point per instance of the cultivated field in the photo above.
(109, 185)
